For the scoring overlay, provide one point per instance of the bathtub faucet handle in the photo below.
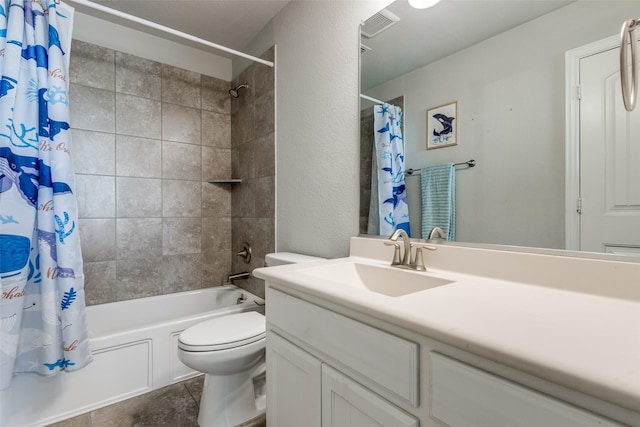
(245, 253)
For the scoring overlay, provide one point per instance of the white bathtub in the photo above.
(134, 350)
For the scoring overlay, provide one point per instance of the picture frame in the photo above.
(442, 126)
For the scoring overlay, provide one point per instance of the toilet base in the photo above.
(229, 400)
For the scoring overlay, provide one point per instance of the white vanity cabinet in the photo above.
(345, 403)
(328, 366)
(308, 387)
(294, 384)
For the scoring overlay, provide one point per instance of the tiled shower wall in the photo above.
(253, 160)
(147, 138)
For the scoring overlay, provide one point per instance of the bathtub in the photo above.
(134, 346)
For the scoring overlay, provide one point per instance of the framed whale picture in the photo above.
(442, 124)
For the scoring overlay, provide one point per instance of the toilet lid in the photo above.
(224, 332)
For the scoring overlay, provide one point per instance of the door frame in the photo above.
(572, 134)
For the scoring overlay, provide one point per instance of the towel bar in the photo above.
(468, 164)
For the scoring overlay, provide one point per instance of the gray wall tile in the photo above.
(139, 197)
(263, 77)
(138, 76)
(181, 161)
(181, 124)
(100, 284)
(253, 160)
(216, 163)
(139, 278)
(91, 108)
(139, 238)
(216, 200)
(145, 142)
(180, 86)
(93, 152)
(265, 197)
(216, 268)
(215, 95)
(264, 120)
(181, 236)
(92, 65)
(98, 239)
(137, 116)
(96, 196)
(216, 234)
(216, 129)
(265, 153)
(181, 198)
(138, 157)
(181, 273)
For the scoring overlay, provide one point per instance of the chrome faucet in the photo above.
(408, 261)
(438, 231)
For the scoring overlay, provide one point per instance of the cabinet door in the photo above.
(346, 403)
(293, 384)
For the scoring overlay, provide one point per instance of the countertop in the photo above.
(583, 341)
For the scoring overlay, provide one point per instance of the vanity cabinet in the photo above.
(305, 387)
(328, 369)
(293, 384)
(345, 403)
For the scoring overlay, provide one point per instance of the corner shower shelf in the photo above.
(226, 181)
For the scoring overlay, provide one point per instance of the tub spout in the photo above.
(237, 276)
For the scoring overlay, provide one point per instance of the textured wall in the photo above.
(317, 113)
(147, 137)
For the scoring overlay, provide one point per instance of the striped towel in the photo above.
(438, 184)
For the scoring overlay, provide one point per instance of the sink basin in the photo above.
(390, 281)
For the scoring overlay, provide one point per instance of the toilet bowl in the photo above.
(229, 350)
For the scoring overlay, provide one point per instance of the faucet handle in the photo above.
(423, 246)
(418, 260)
(396, 252)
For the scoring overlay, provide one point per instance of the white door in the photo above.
(293, 385)
(609, 160)
(346, 403)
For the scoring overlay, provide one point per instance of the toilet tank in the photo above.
(282, 258)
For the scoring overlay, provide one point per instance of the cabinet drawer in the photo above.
(387, 360)
(462, 395)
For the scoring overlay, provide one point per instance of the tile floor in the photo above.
(172, 406)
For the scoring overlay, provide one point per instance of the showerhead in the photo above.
(236, 92)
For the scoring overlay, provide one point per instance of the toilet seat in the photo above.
(225, 332)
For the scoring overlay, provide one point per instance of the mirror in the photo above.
(503, 62)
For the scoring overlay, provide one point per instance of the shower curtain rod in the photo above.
(368, 98)
(167, 30)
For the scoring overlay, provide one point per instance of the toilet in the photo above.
(230, 351)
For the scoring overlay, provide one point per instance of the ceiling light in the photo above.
(423, 4)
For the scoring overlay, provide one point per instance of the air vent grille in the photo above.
(378, 23)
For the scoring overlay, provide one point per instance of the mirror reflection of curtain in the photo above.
(391, 193)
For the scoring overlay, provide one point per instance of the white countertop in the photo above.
(583, 341)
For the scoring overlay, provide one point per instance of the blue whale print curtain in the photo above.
(42, 312)
(392, 194)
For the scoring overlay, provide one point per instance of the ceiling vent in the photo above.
(378, 23)
(364, 49)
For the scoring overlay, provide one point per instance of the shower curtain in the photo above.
(42, 312)
(392, 195)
